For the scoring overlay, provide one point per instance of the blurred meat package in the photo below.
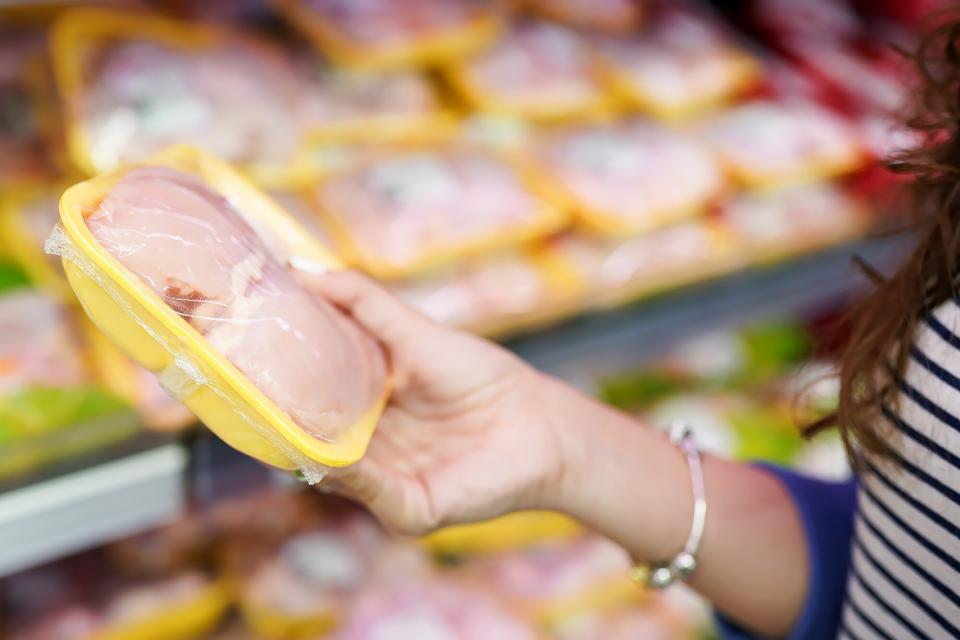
(234, 320)
(536, 70)
(679, 65)
(134, 84)
(381, 34)
(413, 210)
(628, 177)
(614, 16)
(766, 144)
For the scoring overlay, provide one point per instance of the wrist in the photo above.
(619, 477)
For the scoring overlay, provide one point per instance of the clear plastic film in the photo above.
(382, 34)
(536, 70)
(197, 261)
(767, 144)
(679, 65)
(630, 176)
(134, 84)
(412, 210)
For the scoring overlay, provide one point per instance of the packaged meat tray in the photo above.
(134, 84)
(491, 294)
(614, 271)
(679, 65)
(414, 210)
(773, 224)
(766, 144)
(537, 70)
(627, 177)
(438, 608)
(612, 16)
(354, 106)
(383, 34)
(206, 300)
(558, 580)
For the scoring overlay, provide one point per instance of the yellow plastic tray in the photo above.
(144, 327)
(184, 621)
(268, 623)
(456, 42)
(506, 533)
(550, 218)
(78, 31)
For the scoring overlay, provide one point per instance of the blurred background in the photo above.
(657, 201)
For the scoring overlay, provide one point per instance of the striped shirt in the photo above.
(904, 575)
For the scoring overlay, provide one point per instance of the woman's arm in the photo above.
(472, 432)
(626, 480)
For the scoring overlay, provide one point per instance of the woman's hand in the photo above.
(467, 434)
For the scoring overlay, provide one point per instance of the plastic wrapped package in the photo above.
(382, 34)
(49, 407)
(184, 265)
(767, 144)
(773, 224)
(511, 532)
(615, 16)
(558, 580)
(134, 84)
(23, 153)
(613, 271)
(300, 591)
(627, 177)
(680, 65)
(354, 106)
(413, 210)
(434, 609)
(491, 294)
(537, 70)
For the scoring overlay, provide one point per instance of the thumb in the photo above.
(375, 309)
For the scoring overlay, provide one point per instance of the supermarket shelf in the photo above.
(588, 346)
(79, 509)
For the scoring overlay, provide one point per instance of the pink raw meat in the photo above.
(197, 252)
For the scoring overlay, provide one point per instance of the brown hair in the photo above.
(882, 324)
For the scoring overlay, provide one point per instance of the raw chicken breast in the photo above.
(237, 100)
(406, 208)
(437, 610)
(38, 346)
(195, 251)
(631, 176)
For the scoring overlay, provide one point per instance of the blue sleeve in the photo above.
(826, 510)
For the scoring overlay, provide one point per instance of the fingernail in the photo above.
(308, 265)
